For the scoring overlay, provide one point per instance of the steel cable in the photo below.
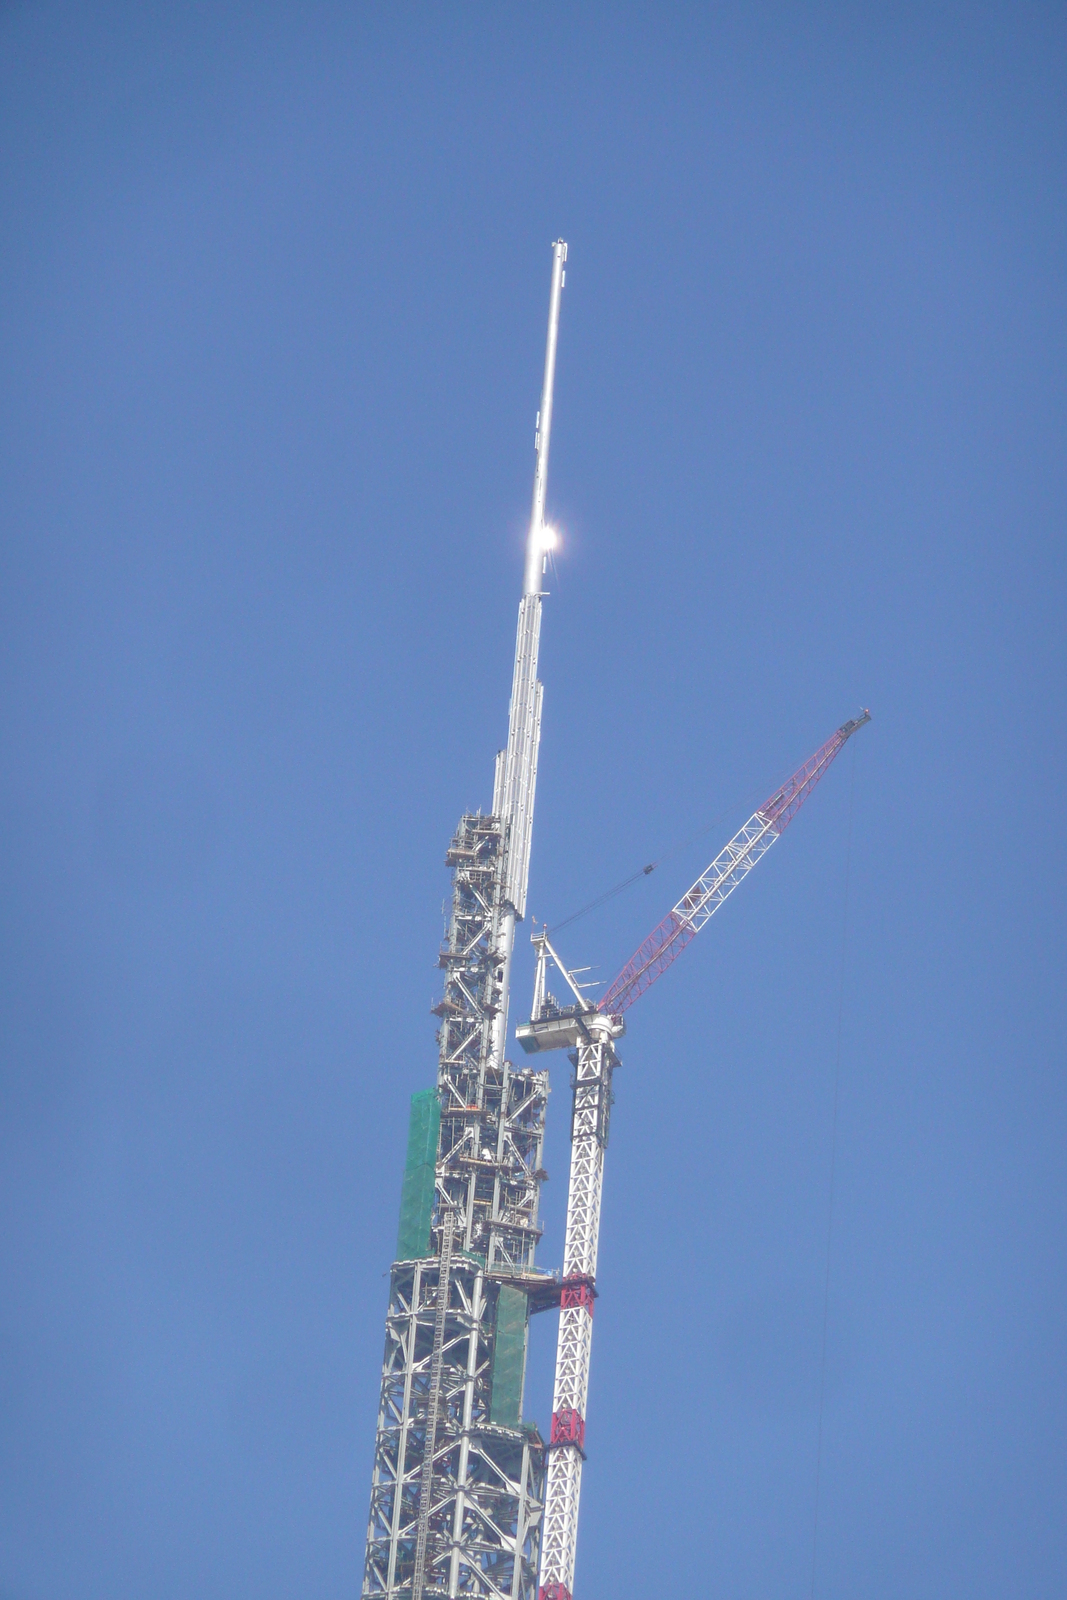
(646, 871)
(752, 798)
(833, 1176)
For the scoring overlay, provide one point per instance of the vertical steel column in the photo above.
(517, 778)
(444, 1284)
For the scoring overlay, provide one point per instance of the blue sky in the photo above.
(273, 284)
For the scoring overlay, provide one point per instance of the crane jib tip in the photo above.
(848, 728)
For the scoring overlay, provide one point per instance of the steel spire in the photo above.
(458, 1487)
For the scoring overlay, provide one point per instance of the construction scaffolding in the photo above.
(474, 1169)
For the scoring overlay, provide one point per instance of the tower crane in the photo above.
(589, 1032)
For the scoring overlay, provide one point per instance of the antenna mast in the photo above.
(516, 766)
(457, 1494)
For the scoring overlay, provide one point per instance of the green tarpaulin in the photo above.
(509, 1357)
(416, 1196)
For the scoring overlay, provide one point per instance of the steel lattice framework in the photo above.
(594, 1062)
(486, 1483)
(492, 1114)
(457, 1492)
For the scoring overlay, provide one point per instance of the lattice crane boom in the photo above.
(685, 920)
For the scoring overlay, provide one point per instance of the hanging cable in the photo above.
(753, 796)
(646, 871)
(833, 1175)
(602, 899)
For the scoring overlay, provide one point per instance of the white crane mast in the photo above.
(591, 1037)
(595, 1063)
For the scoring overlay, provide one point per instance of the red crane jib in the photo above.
(667, 941)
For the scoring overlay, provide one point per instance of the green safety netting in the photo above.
(417, 1194)
(509, 1357)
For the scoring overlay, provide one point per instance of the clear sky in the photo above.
(273, 286)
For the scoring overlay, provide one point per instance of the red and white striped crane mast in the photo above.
(589, 1032)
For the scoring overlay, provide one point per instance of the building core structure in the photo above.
(457, 1494)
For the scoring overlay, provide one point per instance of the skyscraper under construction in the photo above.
(458, 1485)
(467, 1499)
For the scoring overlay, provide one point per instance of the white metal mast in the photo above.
(591, 1037)
(516, 766)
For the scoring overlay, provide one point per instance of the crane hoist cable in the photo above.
(833, 1173)
(652, 866)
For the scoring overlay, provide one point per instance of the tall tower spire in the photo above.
(516, 771)
(458, 1486)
